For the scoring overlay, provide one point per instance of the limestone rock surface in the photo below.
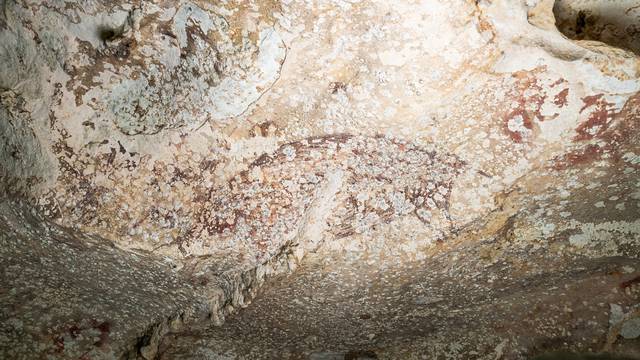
(319, 179)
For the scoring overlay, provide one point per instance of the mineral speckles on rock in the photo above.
(166, 67)
(22, 159)
(179, 129)
(627, 325)
(66, 295)
(607, 237)
(263, 207)
(87, 73)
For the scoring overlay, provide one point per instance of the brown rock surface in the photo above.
(319, 179)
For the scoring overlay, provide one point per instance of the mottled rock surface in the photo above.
(67, 295)
(405, 179)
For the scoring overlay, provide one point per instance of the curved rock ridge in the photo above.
(68, 295)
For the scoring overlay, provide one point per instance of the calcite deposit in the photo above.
(328, 179)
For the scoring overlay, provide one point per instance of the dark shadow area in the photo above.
(616, 23)
(107, 34)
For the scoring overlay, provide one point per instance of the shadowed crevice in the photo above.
(615, 23)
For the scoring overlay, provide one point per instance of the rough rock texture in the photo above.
(66, 295)
(615, 23)
(406, 179)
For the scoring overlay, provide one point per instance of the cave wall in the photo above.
(230, 139)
